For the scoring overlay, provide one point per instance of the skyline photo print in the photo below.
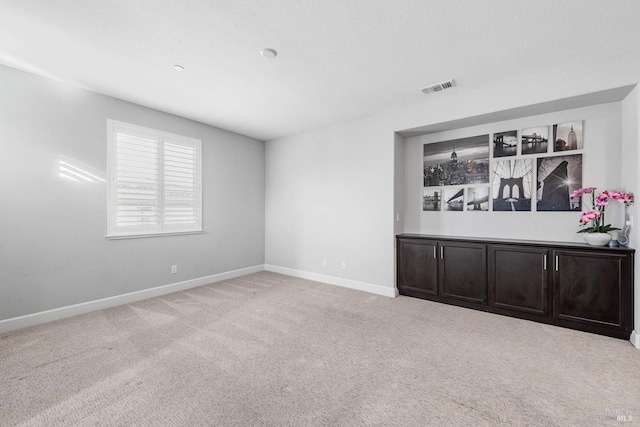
(456, 162)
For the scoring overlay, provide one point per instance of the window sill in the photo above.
(143, 235)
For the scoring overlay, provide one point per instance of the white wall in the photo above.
(399, 183)
(53, 251)
(601, 168)
(322, 193)
(631, 178)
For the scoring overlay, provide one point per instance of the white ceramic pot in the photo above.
(597, 239)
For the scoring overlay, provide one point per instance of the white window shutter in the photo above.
(182, 194)
(154, 182)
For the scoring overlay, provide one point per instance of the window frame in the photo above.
(161, 229)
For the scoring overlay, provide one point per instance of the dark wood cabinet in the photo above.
(433, 269)
(419, 266)
(565, 284)
(463, 271)
(519, 279)
(592, 288)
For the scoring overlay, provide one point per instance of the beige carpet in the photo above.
(271, 350)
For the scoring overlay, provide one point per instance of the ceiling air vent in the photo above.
(438, 87)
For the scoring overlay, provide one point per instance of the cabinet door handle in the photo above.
(544, 262)
(442, 252)
(434, 253)
(556, 262)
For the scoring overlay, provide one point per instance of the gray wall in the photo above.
(328, 193)
(53, 250)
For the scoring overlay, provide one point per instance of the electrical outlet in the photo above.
(344, 265)
(174, 269)
(324, 262)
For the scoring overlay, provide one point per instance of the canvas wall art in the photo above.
(557, 178)
(431, 199)
(477, 199)
(568, 136)
(456, 162)
(453, 199)
(512, 185)
(535, 140)
(505, 144)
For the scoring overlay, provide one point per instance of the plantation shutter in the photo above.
(181, 186)
(137, 181)
(155, 182)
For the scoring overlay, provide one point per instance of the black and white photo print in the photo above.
(557, 178)
(535, 140)
(431, 199)
(505, 144)
(453, 199)
(456, 162)
(512, 184)
(478, 199)
(568, 136)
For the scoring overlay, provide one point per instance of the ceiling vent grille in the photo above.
(438, 87)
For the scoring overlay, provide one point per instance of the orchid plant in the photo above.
(594, 217)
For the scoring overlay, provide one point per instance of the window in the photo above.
(154, 182)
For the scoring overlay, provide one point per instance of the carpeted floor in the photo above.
(272, 350)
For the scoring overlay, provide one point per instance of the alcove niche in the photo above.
(611, 157)
(609, 160)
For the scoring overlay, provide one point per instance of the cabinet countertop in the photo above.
(491, 240)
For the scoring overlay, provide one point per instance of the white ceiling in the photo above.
(337, 59)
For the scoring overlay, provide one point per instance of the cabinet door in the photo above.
(463, 271)
(418, 266)
(518, 278)
(592, 288)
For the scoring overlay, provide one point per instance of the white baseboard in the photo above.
(338, 281)
(635, 339)
(86, 307)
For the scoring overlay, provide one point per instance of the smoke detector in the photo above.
(268, 53)
(438, 87)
